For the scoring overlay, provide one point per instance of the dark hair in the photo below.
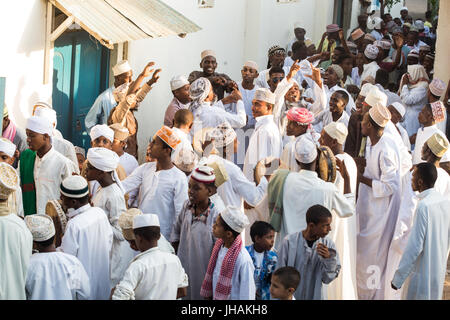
(298, 45)
(46, 243)
(289, 277)
(260, 229)
(148, 233)
(427, 173)
(344, 95)
(183, 117)
(276, 70)
(227, 227)
(317, 213)
(382, 77)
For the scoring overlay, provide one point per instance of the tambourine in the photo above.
(55, 211)
(326, 165)
(264, 167)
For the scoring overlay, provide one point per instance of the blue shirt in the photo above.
(263, 275)
(99, 112)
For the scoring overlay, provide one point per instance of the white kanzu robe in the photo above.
(304, 189)
(128, 162)
(161, 192)
(56, 276)
(425, 258)
(16, 243)
(377, 210)
(242, 282)
(314, 269)
(89, 237)
(152, 275)
(196, 242)
(112, 201)
(264, 142)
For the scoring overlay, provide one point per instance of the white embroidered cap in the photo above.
(207, 53)
(177, 82)
(7, 147)
(305, 150)
(371, 51)
(9, 180)
(145, 220)
(251, 64)
(235, 218)
(265, 95)
(203, 174)
(121, 67)
(380, 114)
(337, 130)
(41, 227)
(376, 97)
(400, 108)
(365, 89)
(437, 87)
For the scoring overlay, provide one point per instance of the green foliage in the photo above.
(390, 3)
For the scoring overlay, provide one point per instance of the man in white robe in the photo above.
(128, 162)
(17, 241)
(106, 101)
(304, 189)
(153, 274)
(425, 258)
(343, 230)
(53, 275)
(162, 186)
(378, 198)
(88, 235)
(266, 139)
(332, 78)
(50, 167)
(371, 66)
(102, 163)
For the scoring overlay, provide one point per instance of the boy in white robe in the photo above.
(430, 115)
(192, 232)
(101, 167)
(398, 111)
(343, 230)
(162, 186)
(50, 167)
(312, 253)
(378, 203)
(425, 258)
(335, 113)
(229, 260)
(153, 274)
(17, 241)
(247, 89)
(53, 275)
(88, 235)
(7, 151)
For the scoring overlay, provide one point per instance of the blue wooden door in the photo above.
(80, 74)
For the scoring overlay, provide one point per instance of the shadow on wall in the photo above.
(33, 36)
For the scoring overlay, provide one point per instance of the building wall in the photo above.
(442, 62)
(236, 30)
(22, 56)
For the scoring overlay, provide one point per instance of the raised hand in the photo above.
(293, 71)
(148, 69)
(155, 77)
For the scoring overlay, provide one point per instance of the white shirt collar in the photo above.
(263, 120)
(79, 210)
(151, 250)
(425, 193)
(45, 156)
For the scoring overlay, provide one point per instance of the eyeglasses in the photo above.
(275, 80)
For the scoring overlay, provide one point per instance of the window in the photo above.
(206, 3)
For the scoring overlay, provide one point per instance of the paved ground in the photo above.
(447, 283)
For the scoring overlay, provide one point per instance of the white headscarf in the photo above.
(199, 91)
(418, 76)
(105, 160)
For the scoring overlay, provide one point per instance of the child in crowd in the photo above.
(264, 259)
(81, 156)
(285, 281)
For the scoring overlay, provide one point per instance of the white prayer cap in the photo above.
(207, 53)
(305, 150)
(251, 64)
(120, 132)
(365, 89)
(126, 222)
(376, 97)
(235, 218)
(50, 114)
(203, 174)
(400, 108)
(41, 227)
(121, 67)
(185, 159)
(337, 130)
(177, 82)
(437, 87)
(7, 147)
(102, 130)
(80, 151)
(223, 135)
(40, 125)
(74, 187)
(9, 180)
(371, 51)
(145, 220)
(380, 114)
(419, 24)
(41, 104)
(265, 95)
(298, 24)
(103, 159)
(438, 144)
(403, 8)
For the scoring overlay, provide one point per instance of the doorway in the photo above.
(80, 74)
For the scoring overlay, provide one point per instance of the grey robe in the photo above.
(314, 269)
